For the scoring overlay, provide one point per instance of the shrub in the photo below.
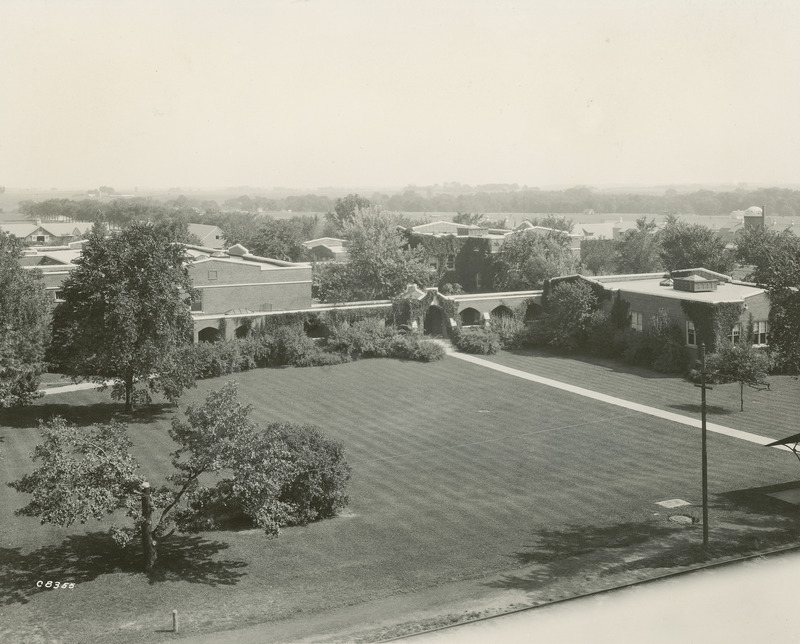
(368, 338)
(479, 340)
(510, 330)
(221, 358)
(290, 346)
(413, 347)
(315, 487)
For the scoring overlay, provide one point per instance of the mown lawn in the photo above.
(458, 472)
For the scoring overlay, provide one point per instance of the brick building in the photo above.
(232, 284)
(705, 305)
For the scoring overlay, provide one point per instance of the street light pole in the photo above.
(704, 450)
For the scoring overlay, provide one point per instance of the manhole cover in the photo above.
(681, 518)
(672, 503)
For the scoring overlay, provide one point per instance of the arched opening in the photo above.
(533, 312)
(502, 312)
(434, 321)
(470, 317)
(242, 331)
(209, 334)
(313, 329)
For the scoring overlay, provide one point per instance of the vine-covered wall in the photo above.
(712, 321)
(472, 257)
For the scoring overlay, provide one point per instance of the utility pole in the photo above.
(704, 450)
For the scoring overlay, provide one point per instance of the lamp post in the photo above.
(704, 457)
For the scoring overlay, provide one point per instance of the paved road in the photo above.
(743, 603)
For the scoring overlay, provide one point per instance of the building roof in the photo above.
(238, 254)
(728, 290)
(445, 228)
(56, 229)
(330, 242)
(19, 230)
(203, 231)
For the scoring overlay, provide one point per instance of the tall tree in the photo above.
(277, 476)
(470, 218)
(276, 238)
(528, 258)
(345, 211)
(739, 363)
(570, 311)
(775, 261)
(693, 246)
(24, 317)
(125, 309)
(599, 256)
(380, 263)
(638, 250)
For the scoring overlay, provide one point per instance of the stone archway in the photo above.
(470, 317)
(502, 312)
(434, 321)
(242, 331)
(533, 311)
(209, 334)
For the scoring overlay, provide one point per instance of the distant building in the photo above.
(48, 234)
(232, 284)
(327, 249)
(461, 253)
(208, 236)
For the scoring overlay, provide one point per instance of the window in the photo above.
(691, 336)
(760, 330)
(637, 322)
(478, 281)
(197, 304)
(40, 238)
(212, 275)
(451, 262)
(736, 334)
(59, 296)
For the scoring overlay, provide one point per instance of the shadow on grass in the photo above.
(693, 408)
(607, 363)
(742, 522)
(82, 415)
(83, 558)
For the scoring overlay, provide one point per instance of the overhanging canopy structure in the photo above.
(792, 442)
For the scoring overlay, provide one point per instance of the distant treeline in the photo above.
(778, 201)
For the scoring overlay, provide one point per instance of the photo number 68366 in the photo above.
(54, 584)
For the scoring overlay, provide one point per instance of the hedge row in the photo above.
(290, 346)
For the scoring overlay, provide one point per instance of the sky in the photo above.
(380, 93)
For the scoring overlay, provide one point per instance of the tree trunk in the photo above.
(741, 396)
(128, 394)
(148, 543)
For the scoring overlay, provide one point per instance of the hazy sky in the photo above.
(391, 92)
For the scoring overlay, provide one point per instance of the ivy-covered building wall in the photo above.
(705, 317)
(459, 260)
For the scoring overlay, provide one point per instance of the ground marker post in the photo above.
(174, 620)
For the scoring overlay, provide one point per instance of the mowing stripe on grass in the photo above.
(619, 402)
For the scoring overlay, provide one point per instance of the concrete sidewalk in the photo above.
(613, 400)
